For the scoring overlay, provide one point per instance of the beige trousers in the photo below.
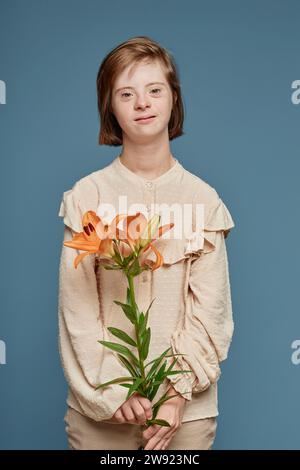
(86, 434)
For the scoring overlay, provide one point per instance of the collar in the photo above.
(163, 179)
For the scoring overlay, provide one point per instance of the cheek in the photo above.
(123, 116)
(165, 112)
(119, 110)
(165, 107)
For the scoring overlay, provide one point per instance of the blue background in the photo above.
(236, 61)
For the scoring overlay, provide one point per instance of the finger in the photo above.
(119, 415)
(153, 444)
(161, 445)
(155, 439)
(128, 414)
(166, 443)
(149, 432)
(154, 428)
(147, 405)
(169, 433)
(139, 412)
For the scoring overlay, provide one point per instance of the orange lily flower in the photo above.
(138, 236)
(89, 239)
(140, 233)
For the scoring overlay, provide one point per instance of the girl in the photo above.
(140, 107)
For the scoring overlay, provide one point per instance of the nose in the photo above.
(142, 101)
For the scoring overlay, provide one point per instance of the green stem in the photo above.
(141, 362)
(133, 303)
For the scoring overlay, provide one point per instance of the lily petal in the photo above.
(82, 241)
(80, 257)
(162, 230)
(153, 264)
(136, 225)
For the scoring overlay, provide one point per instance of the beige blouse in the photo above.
(192, 310)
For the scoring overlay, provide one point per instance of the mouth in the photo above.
(146, 118)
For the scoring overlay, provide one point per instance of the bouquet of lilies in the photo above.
(126, 249)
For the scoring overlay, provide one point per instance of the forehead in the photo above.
(146, 71)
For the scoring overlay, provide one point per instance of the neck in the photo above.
(147, 164)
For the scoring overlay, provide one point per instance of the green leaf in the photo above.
(157, 361)
(143, 320)
(177, 354)
(158, 404)
(146, 320)
(115, 381)
(122, 335)
(156, 382)
(150, 306)
(143, 394)
(160, 373)
(169, 355)
(128, 310)
(168, 371)
(160, 357)
(127, 260)
(139, 392)
(145, 345)
(134, 269)
(162, 400)
(141, 323)
(128, 298)
(158, 377)
(128, 365)
(161, 422)
(134, 386)
(172, 365)
(174, 372)
(111, 267)
(155, 365)
(117, 255)
(121, 349)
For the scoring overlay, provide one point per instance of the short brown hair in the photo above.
(135, 50)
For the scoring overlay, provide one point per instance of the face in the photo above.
(142, 90)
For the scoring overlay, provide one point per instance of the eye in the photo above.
(125, 93)
(156, 89)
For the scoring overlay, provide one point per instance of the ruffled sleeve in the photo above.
(204, 333)
(216, 218)
(70, 209)
(80, 324)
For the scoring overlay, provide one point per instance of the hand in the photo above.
(171, 410)
(135, 410)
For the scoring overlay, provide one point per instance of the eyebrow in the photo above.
(132, 88)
